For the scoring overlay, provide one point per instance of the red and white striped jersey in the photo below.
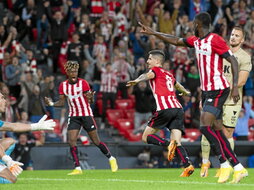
(108, 81)
(78, 104)
(163, 89)
(210, 51)
(96, 8)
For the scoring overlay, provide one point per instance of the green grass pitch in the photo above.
(124, 179)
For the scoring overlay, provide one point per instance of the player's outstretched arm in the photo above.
(174, 40)
(43, 124)
(234, 91)
(143, 77)
(58, 103)
(183, 91)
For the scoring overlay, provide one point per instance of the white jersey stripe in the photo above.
(164, 102)
(170, 102)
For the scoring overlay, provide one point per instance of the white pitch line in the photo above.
(136, 181)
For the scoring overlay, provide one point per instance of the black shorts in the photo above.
(213, 101)
(87, 122)
(170, 118)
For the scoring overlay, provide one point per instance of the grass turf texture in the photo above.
(129, 179)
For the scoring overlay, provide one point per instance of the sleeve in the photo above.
(1, 123)
(155, 70)
(220, 46)
(246, 65)
(190, 41)
(61, 89)
(85, 86)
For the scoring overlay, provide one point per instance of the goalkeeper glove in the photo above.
(43, 124)
(13, 166)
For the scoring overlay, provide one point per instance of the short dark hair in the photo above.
(205, 19)
(239, 28)
(158, 53)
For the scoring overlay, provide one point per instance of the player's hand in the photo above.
(43, 124)
(185, 93)
(131, 83)
(15, 168)
(145, 29)
(89, 95)
(235, 94)
(48, 101)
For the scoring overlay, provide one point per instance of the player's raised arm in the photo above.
(143, 77)
(234, 63)
(171, 39)
(183, 91)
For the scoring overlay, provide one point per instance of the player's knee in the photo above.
(72, 142)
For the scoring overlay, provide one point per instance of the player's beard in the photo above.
(235, 45)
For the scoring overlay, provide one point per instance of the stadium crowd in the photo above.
(38, 36)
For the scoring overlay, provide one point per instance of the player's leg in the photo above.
(205, 151)
(91, 128)
(239, 171)
(6, 176)
(74, 125)
(176, 127)
(8, 145)
(181, 153)
(156, 123)
(212, 102)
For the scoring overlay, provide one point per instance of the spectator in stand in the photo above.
(99, 47)
(242, 128)
(125, 71)
(144, 104)
(166, 21)
(183, 27)
(216, 10)
(28, 62)
(41, 24)
(75, 49)
(86, 29)
(108, 89)
(196, 6)
(58, 26)
(23, 148)
(13, 73)
(141, 66)
(192, 80)
(36, 106)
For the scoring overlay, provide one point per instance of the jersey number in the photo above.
(169, 84)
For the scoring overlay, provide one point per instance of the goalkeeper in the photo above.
(10, 169)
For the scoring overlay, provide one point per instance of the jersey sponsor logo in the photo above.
(226, 69)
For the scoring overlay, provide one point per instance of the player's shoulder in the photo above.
(216, 37)
(244, 53)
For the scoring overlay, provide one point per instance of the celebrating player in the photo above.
(210, 50)
(230, 110)
(79, 96)
(169, 112)
(10, 169)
